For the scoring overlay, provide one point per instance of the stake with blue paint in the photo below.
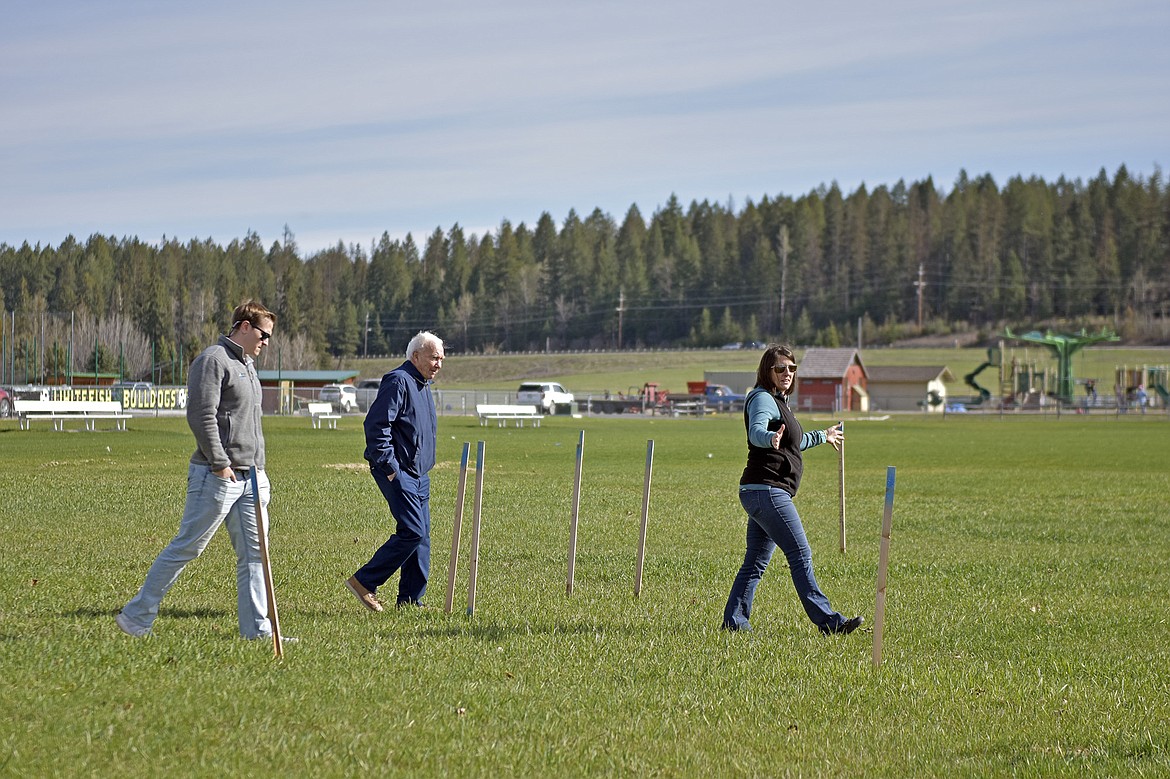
(456, 526)
(879, 610)
(576, 512)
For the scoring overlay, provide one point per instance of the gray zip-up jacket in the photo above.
(223, 408)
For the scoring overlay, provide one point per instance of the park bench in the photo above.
(692, 408)
(503, 413)
(61, 411)
(323, 411)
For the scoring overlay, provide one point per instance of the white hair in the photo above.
(424, 338)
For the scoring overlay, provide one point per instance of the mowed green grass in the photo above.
(1026, 629)
(593, 372)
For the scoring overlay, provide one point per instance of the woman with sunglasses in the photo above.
(766, 489)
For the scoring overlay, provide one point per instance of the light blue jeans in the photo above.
(772, 522)
(212, 501)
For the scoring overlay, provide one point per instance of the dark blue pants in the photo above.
(409, 549)
(772, 522)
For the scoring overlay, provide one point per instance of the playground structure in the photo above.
(1019, 382)
(1154, 378)
(994, 360)
(1063, 347)
(1023, 383)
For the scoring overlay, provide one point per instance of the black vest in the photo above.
(775, 467)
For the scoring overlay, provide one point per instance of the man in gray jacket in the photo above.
(223, 411)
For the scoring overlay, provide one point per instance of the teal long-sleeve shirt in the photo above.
(768, 466)
(762, 409)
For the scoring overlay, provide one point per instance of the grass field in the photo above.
(594, 372)
(1026, 630)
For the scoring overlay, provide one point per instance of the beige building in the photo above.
(909, 387)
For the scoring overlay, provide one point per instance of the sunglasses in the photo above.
(264, 334)
(785, 369)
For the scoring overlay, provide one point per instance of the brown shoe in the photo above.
(361, 593)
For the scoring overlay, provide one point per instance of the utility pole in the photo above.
(920, 284)
(621, 309)
(784, 247)
(366, 342)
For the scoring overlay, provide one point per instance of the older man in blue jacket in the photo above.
(401, 432)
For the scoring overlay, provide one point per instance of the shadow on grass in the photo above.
(496, 631)
(103, 612)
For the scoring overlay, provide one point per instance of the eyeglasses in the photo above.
(785, 369)
(264, 334)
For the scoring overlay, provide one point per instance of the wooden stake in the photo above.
(879, 610)
(842, 471)
(456, 526)
(266, 565)
(473, 569)
(645, 517)
(576, 512)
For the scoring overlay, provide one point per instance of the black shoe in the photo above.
(846, 627)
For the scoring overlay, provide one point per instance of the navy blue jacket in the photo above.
(401, 426)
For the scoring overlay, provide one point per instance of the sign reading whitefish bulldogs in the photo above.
(142, 398)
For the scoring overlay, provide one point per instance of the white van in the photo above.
(342, 396)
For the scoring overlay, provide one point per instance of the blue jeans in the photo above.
(211, 502)
(409, 549)
(772, 522)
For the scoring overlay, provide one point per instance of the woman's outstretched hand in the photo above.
(835, 435)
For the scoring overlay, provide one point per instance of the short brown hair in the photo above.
(251, 311)
(765, 376)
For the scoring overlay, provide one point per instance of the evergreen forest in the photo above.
(895, 261)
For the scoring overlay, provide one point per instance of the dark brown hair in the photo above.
(251, 311)
(765, 376)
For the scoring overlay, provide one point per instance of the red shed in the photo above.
(832, 380)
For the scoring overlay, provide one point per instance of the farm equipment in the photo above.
(648, 399)
(699, 398)
(717, 397)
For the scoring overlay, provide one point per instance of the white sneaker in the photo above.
(125, 626)
(283, 639)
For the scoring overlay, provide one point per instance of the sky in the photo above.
(347, 120)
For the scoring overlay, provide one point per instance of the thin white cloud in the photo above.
(345, 120)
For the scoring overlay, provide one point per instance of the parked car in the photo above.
(28, 392)
(367, 390)
(342, 396)
(547, 396)
(721, 398)
(5, 405)
(131, 393)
